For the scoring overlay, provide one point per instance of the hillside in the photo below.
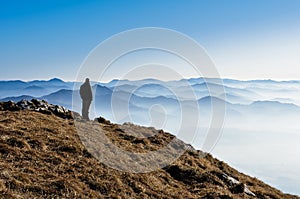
(42, 157)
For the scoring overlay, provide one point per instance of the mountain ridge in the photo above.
(42, 156)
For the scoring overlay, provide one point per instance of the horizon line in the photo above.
(113, 79)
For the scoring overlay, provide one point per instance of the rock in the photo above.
(236, 186)
(9, 106)
(230, 179)
(40, 106)
(62, 112)
(26, 105)
(43, 110)
(36, 102)
(102, 120)
(247, 191)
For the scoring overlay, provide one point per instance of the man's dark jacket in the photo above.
(86, 92)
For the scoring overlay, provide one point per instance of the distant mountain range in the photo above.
(124, 100)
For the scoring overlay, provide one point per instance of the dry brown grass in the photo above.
(43, 157)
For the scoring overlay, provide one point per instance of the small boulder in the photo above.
(102, 120)
(9, 106)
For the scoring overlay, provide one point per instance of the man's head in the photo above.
(87, 80)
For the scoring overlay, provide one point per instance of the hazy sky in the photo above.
(247, 39)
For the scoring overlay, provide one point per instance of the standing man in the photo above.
(87, 97)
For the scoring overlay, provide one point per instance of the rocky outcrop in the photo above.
(39, 106)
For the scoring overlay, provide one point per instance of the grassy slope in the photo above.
(42, 156)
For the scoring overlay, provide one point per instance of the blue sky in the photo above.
(247, 39)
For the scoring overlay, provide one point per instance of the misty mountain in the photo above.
(55, 82)
(143, 99)
(35, 88)
(18, 98)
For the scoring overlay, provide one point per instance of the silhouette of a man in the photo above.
(87, 97)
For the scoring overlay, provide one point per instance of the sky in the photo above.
(246, 39)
